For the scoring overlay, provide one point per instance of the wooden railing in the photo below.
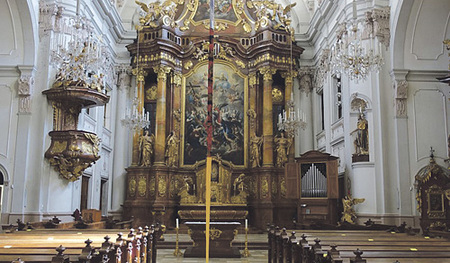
(284, 248)
(138, 246)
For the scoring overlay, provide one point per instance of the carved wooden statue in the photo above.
(146, 149)
(362, 136)
(282, 148)
(172, 150)
(349, 214)
(255, 150)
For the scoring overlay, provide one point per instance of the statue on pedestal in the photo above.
(240, 194)
(185, 194)
(171, 153)
(362, 136)
(282, 148)
(255, 150)
(146, 149)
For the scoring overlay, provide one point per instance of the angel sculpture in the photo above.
(349, 214)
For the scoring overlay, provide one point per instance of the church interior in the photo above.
(263, 113)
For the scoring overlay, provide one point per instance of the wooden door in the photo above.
(84, 192)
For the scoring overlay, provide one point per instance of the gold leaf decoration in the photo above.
(277, 95)
(132, 186)
(142, 186)
(162, 186)
(264, 187)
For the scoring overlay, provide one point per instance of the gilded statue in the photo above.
(362, 136)
(255, 150)
(185, 194)
(146, 149)
(349, 214)
(282, 148)
(171, 153)
(240, 194)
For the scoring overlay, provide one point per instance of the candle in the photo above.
(176, 223)
(246, 223)
(354, 9)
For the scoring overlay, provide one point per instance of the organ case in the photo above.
(313, 181)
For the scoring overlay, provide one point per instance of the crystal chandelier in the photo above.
(353, 53)
(290, 122)
(78, 54)
(136, 120)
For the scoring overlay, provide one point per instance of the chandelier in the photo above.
(353, 53)
(78, 54)
(290, 121)
(136, 120)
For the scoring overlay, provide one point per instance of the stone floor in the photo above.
(166, 256)
(256, 256)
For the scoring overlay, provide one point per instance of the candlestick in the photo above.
(246, 252)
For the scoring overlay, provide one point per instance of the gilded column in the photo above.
(252, 102)
(177, 101)
(140, 83)
(160, 129)
(267, 118)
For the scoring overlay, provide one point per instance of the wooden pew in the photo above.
(377, 245)
(39, 246)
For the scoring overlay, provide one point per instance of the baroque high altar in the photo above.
(254, 66)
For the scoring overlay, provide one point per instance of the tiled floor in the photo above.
(256, 256)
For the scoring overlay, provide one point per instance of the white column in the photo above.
(22, 152)
(122, 155)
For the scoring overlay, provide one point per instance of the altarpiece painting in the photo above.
(228, 114)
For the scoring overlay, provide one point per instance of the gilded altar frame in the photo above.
(244, 112)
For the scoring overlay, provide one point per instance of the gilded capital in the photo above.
(289, 77)
(177, 79)
(252, 79)
(162, 72)
(140, 74)
(267, 72)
